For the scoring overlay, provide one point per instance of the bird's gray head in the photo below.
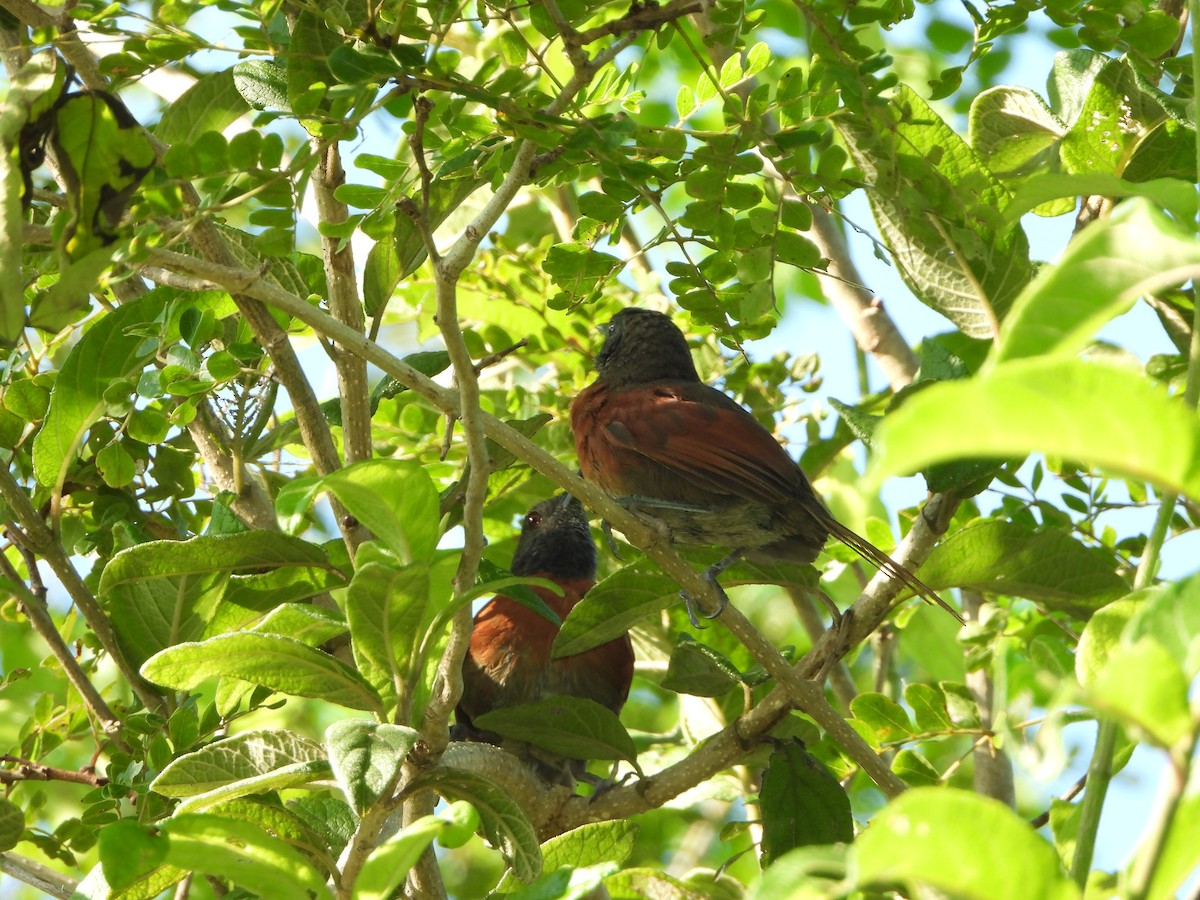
(556, 540)
(640, 346)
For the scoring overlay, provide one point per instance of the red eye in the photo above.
(533, 520)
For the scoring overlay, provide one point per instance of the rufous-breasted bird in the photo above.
(508, 661)
(654, 436)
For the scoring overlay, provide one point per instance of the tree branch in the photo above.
(32, 602)
(345, 306)
(34, 874)
(45, 543)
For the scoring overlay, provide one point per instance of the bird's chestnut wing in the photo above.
(695, 431)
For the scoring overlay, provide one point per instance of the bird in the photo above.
(659, 440)
(508, 659)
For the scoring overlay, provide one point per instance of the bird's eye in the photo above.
(533, 520)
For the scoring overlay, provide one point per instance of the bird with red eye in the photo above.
(508, 661)
(650, 433)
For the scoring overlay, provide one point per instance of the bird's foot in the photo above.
(606, 530)
(710, 575)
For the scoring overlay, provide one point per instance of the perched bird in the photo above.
(508, 661)
(655, 437)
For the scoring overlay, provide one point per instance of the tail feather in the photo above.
(889, 566)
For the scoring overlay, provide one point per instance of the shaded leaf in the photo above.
(574, 727)
(802, 803)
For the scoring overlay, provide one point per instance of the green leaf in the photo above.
(395, 499)
(915, 769)
(242, 853)
(929, 707)
(699, 670)
(115, 465)
(112, 349)
(1050, 565)
(504, 824)
(1011, 127)
(1116, 115)
(885, 716)
(936, 205)
(1171, 615)
(388, 612)
(1144, 685)
(282, 664)
(290, 776)
(949, 840)
(351, 65)
(12, 824)
(316, 43)
(1053, 406)
(128, 852)
(103, 154)
(381, 275)
(165, 592)
(1175, 195)
(574, 727)
(1135, 251)
(587, 845)
(366, 757)
(1101, 636)
(613, 606)
(802, 803)
(213, 103)
(36, 85)
(262, 84)
(233, 759)
(390, 862)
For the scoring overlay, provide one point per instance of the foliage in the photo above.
(255, 602)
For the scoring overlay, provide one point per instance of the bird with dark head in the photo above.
(508, 661)
(650, 433)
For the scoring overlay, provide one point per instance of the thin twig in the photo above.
(42, 540)
(33, 603)
(28, 770)
(345, 306)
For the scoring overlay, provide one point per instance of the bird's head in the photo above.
(641, 346)
(556, 540)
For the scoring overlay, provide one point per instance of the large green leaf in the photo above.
(232, 759)
(166, 592)
(37, 83)
(1093, 413)
(614, 605)
(802, 803)
(950, 840)
(937, 207)
(389, 613)
(244, 854)
(574, 727)
(213, 103)
(280, 663)
(112, 349)
(1135, 251)
(396, 499)
(1050, 565)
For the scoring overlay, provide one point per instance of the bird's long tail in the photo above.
(889, 566)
